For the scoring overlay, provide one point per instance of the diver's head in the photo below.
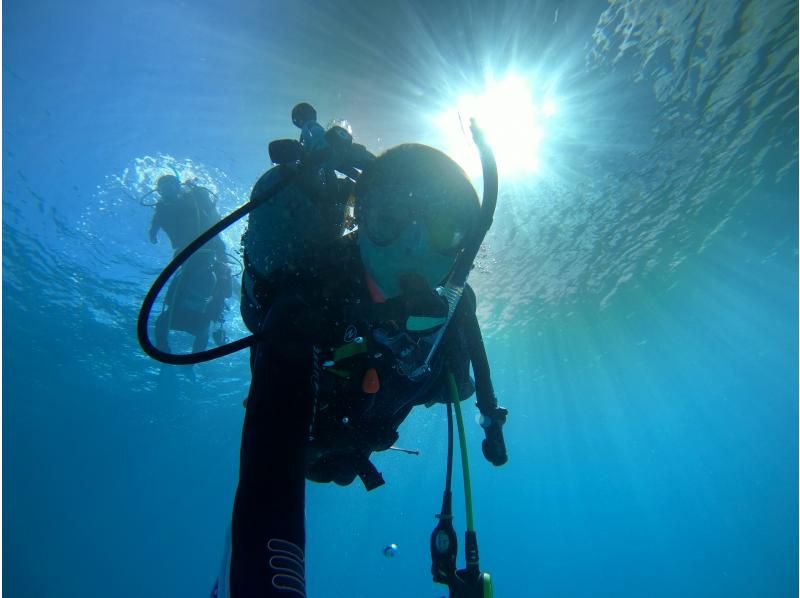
(168, 187)
(415, 208)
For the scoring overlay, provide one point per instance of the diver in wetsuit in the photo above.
(196, 296)
(352, 334)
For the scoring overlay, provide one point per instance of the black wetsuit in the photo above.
(196, 296)
(185, 216)
(309, 413)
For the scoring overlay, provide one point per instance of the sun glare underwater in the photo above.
(514, 120)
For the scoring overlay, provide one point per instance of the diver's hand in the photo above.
(494, 445)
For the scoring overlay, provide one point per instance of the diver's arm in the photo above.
(493, 416)
(268, 533)
(155, 226)
(487, 401)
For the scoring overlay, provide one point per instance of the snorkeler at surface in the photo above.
(196, 296)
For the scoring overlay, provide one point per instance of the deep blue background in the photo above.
(639, 298)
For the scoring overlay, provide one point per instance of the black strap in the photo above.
(369, 474)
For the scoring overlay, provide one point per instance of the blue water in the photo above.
(638, 296)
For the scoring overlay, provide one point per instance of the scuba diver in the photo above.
(196, 296)
(353, 327)
(347, 331)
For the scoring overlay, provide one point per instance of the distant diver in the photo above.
(196, 296)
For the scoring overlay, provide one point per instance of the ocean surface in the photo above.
(638, 291)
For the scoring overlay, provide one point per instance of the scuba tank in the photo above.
(303, 219)
(303, 204)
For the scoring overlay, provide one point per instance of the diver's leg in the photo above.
(162, 330)
(268, 530)
(200, 343)
(200, 339)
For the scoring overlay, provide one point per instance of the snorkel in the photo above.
(454, 287)
(469, 582)
(467, 256)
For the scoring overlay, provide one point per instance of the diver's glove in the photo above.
(494, 445)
